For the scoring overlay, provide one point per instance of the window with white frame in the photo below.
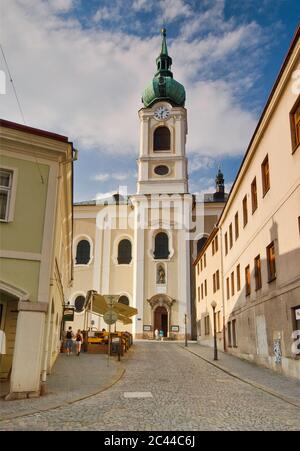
(6, 178)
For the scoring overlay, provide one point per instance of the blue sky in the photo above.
(80, 68)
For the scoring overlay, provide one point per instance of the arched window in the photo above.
(79, 304)
(162, 139)
(124, 252)
(123, 300)
(201, 243)
(161, 250)
(83, 252)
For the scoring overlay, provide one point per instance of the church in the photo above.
(141, 247)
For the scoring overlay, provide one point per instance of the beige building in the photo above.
(258, 253)
(36, 185)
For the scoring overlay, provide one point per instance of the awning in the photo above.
(97, 303)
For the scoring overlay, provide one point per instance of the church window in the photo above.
(123, 300)
(124, 252)
(83, 252)
(201, 244)
(162, 139)
(161, 246)
(79, 304)
(161, 170)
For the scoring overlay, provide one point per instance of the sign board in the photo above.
(68, 314)
(146, 328)
(174, 328)
(297, 314)
(110, 317)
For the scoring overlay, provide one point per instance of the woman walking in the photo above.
(79, 340)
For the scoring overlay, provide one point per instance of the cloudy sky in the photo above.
(80, 67)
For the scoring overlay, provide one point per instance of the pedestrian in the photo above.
(156, 334)
(69, 340)
(79, 340)
(161, 334)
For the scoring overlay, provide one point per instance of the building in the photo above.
(251, 261)
(36, 251)
(140, 246)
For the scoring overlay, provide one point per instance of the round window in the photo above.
(79, 303)
(161, 170)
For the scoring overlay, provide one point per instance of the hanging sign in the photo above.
(297, 314)
(68, 314)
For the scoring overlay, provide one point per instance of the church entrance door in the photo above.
(161, 320)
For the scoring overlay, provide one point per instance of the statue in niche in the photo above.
(161, 275)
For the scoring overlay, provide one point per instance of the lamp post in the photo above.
(214, 305)
(185, 331)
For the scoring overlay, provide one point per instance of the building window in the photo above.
(216, 244)
(248, 280)
(214, 283)
(199, 327)
(226, 243)
(265, 173)
(228, 288)
(198, 269)
(205, 287)
(213, 247)
(257, 266)
(198, 294)
(162, 139)
(229, 334)
(204, 258)
(245, 211)
(79, 304)
(232, 284)
(299, 225)
(201, 265)
(238, 277)
(124, 252)
(234, 338)
(217, 280)
(206, 323)
(271, 261)
(254, 195)
(296, 320)
(236, 222)
(161, 246)
(6, 178)
(123, 300)
(161, 170)
(230, 236)
(295, 125)
(202, 291)
(83, 252)
(218, 321)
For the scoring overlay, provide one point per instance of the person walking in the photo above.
(156, 333)
(79, 340)
(69, 340)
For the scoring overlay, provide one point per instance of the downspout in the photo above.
(222, 284)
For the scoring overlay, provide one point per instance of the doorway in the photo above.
(161, 320)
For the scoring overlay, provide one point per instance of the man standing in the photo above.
(69, 340)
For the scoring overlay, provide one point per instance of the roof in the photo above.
(33, 131)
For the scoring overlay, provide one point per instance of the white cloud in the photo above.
(61, 5)
(119, 176)
(173, 9)
(87, 82)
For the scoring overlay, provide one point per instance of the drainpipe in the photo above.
(222, 283)
(46, 349)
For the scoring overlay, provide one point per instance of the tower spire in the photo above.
(164, 61)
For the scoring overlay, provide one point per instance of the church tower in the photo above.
(162, 164)
(162, 209)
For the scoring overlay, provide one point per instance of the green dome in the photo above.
(163, 86)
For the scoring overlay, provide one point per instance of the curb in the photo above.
(66, 403)
(246, 381)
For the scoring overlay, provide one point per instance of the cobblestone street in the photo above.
(187, 394)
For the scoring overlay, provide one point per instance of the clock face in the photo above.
(161, 113)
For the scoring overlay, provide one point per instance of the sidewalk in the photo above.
(73, 378)
(264, 379)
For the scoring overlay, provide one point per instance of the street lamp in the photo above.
(214, 305)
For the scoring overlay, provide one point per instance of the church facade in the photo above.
(141, 247)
